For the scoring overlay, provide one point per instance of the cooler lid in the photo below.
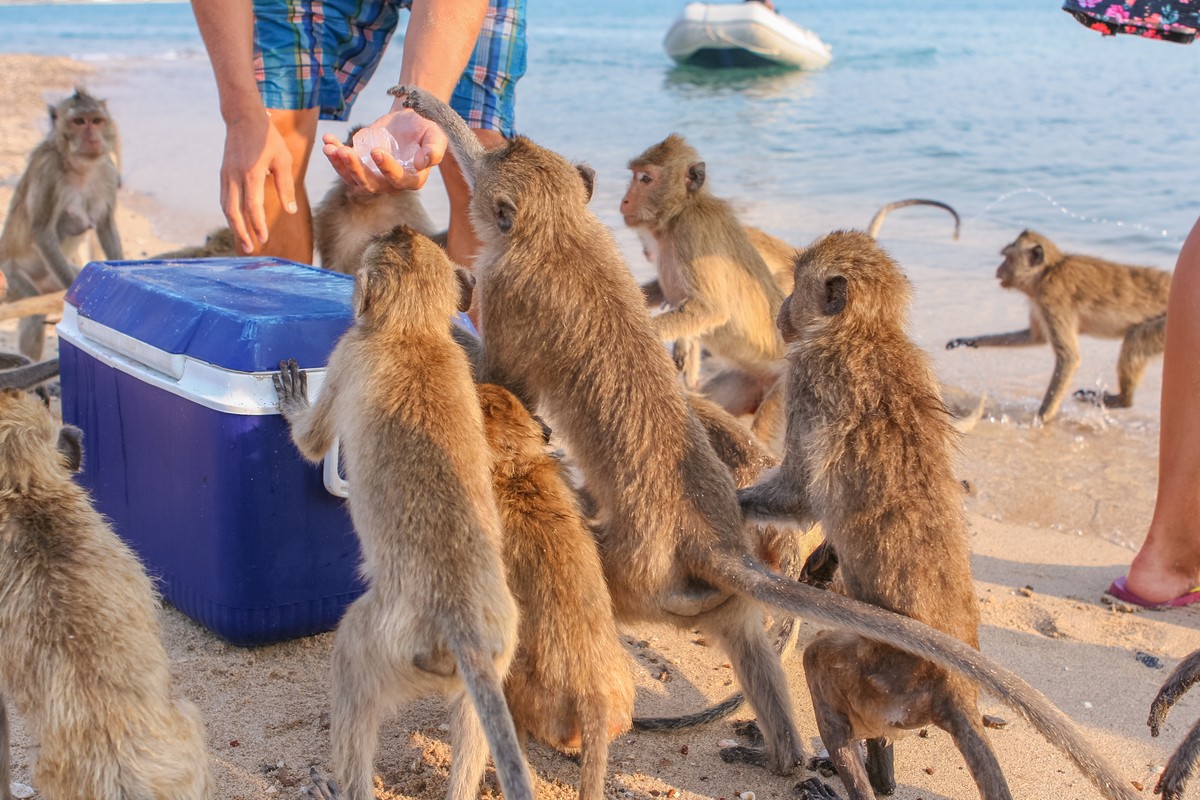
(244, 314)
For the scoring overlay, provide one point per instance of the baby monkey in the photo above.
(1074, 294)
(570, 684)
(82, 658)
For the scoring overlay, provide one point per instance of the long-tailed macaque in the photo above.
(437, 616)
(68, 190)
(82, 661)
(668, 523)
(1071, 295)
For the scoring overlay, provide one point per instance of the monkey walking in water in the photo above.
(1182, 764)
(68, 189)
(82, 659)
(669, 527)
(437, 616)
(1074, 294)
(571, 684)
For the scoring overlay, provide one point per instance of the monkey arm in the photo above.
(311, 425)
(1065, 342)
(45, 241)
(777, 499)
(1182, 678)
(653, 293)
(695, 316)
(1034, 334)
(110, 240)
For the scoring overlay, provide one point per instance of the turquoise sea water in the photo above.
(1015, 114)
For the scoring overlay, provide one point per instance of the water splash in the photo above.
(1154, 232)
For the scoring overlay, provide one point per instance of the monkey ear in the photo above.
(546, 432)
(835, 295)
(70, 444)
(1037, 256)
(589, 179)
(466, 286)
(53, 114)
(506, 212)
(362, 292)
(695, 176)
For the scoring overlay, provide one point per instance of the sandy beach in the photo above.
(1055, 514)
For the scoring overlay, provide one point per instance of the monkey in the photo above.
(83, 660)
(668, 522)
(1073, 294)
(571, 683)
(869, 452)
(715, 285)
(1182, 764)
(437, 616)
(219, 243)
(348, 217)
(69, 188)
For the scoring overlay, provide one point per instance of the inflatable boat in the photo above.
(745, 34)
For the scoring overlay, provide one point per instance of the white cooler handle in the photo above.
(335, 484)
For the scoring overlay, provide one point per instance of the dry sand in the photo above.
(1052, 519)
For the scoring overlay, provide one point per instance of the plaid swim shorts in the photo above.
(320, 53)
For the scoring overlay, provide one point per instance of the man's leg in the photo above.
(291, 234)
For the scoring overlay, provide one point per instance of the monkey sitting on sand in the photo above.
(68, 189)
(82, 658)
(1074, 294)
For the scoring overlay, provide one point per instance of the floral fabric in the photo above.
(1170, 20)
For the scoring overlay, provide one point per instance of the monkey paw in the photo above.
(815, 789)
(963, 342)
(322, 788)
(291, 384)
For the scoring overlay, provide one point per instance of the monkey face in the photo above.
(637, 203)
(84, 125)
(1024, 262)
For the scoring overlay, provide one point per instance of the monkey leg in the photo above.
(959, 716)
(688, 356)
(881, 765)
(771, 417)
(735, 390)
(830, 666)
(737, 626)
(1180, 766)
(1142, 342)
(468, 749)
(361, 674)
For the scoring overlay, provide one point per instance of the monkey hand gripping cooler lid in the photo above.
(167, 368)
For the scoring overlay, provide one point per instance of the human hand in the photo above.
(411, 132)
(254, 150)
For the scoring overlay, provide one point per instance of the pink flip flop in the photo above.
(1118, 590)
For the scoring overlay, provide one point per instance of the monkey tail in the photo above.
(593, 756)
(747, 576)
(881, 214)
(478, 672)
(28, 375)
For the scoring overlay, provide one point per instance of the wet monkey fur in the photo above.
(669, 526)
(571, 682)
(69, 189)
(399, 395)
(1071, 295)
(83, 661)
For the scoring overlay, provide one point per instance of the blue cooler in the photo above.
(167, 369)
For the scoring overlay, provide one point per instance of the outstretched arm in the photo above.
(311, 425)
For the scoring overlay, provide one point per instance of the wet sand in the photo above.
(1054, 515)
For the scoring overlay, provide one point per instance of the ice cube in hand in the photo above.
(368, 139)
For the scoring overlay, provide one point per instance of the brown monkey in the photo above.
(437, 616)
(669, 527)
(712, 281)
(1182, 764)
(869, 451)
(348, 218)
(1074, 294)
(68, 189)
(83, 661)
(571, 684)
(219, 243)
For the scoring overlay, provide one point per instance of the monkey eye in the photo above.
(78, 121)
(644, 177)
